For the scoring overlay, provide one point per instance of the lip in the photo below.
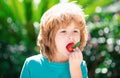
(70, 43)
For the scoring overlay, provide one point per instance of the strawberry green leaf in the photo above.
(76, 45)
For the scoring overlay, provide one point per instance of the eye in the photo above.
(76, 31)
(63, 31)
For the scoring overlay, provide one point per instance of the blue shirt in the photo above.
(38, 66)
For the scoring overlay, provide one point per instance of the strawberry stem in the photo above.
(76, 45)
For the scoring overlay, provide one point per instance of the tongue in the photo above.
(69, 47)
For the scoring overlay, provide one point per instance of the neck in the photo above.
(60, 58)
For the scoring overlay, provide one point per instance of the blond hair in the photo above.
(60, 15)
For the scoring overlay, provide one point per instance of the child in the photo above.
(61, 26)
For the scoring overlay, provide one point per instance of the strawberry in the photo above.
(72, 46)
(69, 47)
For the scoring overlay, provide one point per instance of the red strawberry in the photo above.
(72, 46)
(69, 47)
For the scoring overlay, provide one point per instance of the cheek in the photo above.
(77, 37)
(59, 41)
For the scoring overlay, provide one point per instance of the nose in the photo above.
(70, 37)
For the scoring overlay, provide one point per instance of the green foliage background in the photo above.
(19, 27)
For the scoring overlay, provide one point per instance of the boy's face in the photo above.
(64, 36)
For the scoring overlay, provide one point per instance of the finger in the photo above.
(77, 49)
(71, 56)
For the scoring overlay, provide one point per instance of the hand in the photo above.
(75, 58)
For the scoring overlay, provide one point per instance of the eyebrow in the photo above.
(76, 27)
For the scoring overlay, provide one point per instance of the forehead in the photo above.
(75, 25)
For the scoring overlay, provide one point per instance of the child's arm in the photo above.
(75, 60)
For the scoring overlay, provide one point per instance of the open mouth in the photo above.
(69, 47)
(72, 46)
